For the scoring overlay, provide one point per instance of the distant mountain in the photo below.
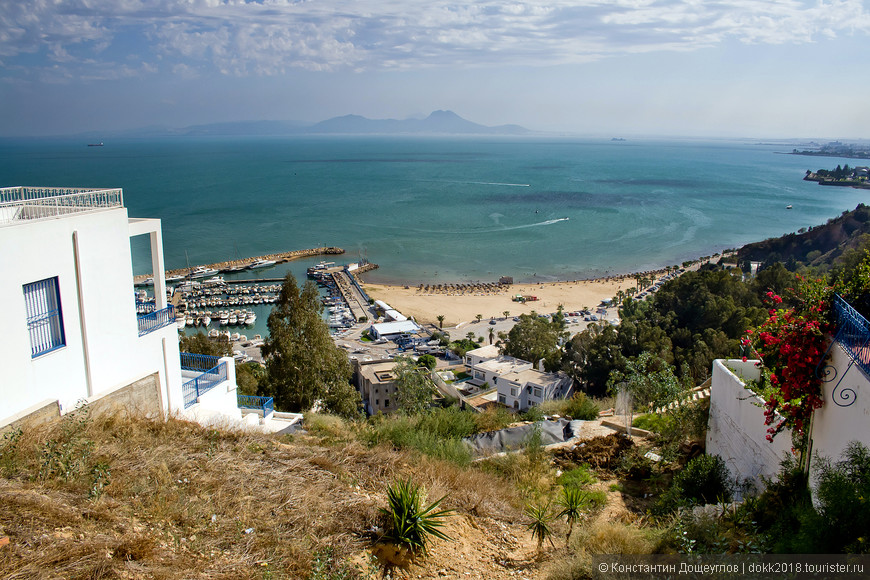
(438, 122)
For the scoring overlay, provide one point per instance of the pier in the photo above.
(279, 257)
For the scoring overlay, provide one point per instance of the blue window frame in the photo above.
(44, 317)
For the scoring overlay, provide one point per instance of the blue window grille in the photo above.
(44, 316)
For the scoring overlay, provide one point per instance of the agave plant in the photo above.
(540, 524)
(412, 525)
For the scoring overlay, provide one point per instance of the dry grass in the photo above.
(184, 501)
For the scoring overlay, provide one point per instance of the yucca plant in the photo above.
(572, 502)
(410, 524)
(540, 524)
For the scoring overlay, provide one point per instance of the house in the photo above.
(390, 330)
(736, 431)
(518, 383)
(72, 332)
(375, 381)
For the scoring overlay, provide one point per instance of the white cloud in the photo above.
(271, 37)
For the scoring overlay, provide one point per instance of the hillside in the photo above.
(817, 247)
(138, 498)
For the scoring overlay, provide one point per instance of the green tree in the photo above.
(199, 343)
(534, 338)
(440, 319)
(506, 313)
(427, 361)
(414, 386)
(248, 377)
(479, 317)
(303, 364)
(650, 380)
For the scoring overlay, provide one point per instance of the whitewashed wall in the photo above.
(736, 431)
(117, 356)
(846, 414)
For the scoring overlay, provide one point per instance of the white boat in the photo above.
(251, 318)
(788, 207)
(175, 278)
(202, 272)
(224, 318)
(216, 281)
(180, 321)
(213, 333)
(262, 264)
(206, 320)
(233, 319)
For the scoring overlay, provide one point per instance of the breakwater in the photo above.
(245, 262)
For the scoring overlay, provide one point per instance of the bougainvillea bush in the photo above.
(790, 346)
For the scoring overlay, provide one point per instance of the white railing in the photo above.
(30, 203)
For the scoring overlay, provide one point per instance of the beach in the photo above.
(458, 307)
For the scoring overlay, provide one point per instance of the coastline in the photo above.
(462, 306)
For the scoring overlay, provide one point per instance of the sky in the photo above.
(727, 68)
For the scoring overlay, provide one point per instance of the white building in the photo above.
(519, 385)
(71, 332)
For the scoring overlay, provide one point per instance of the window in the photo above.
(44, 318)
(538, 392)
(501, 399)
(514, 391)
(386, 402)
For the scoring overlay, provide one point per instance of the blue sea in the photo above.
(447, 209)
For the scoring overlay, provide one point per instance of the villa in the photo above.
(518, 383)
(75, 333)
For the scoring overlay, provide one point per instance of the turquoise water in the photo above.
(447, 209)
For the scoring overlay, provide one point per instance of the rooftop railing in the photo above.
(853, 333)
(33, 203)
(151, 321)
(198, 362)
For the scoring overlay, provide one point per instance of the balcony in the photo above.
(151, 321)
(853, 333)
(33, 203)
(203, 373)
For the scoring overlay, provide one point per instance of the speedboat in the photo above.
(251, 318)
(262, 264)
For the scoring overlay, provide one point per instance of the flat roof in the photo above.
(488, 351)
(504, 365)
(396, 327)
(534, 377)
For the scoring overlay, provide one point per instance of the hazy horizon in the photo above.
(787, 69)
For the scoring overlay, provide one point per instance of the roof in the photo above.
(488, 351)
(396, 327)
(504, 365)
(534, 377)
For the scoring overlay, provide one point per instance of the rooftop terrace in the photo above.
(19, 204)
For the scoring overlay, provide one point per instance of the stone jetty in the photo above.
(244, 262)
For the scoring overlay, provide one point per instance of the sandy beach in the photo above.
(457, 306)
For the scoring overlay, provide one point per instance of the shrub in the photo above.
(704, 480)
(493, 419)
(540, 523)
(582, 408)
(577, 477)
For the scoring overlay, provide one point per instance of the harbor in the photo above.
(240, 265)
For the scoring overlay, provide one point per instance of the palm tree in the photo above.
(506, 313)
(479, 317)
(440, 319)
(491, 334)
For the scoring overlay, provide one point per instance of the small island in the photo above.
(843, 176)
(837, 149)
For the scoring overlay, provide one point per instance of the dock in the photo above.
(279, 257)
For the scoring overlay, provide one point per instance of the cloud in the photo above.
(85, 38)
